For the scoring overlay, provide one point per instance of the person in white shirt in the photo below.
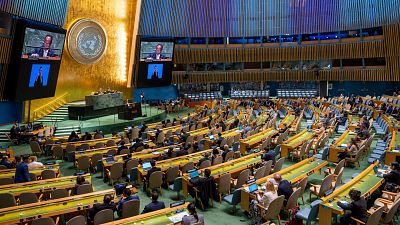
(268, 196)
(34, 163)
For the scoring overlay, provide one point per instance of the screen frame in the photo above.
(140, 79)
(14, 87)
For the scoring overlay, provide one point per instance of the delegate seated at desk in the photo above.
(154, 205)
(107, 204)
(358, 208)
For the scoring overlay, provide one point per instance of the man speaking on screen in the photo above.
(157, 54)
(45, 50)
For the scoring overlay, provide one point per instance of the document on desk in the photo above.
(178, 217)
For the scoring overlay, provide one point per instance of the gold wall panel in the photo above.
(117, 17)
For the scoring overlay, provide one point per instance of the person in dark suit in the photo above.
(126, 196)
(154, 205)
(284, 187)
(206, 157)
(169, 154)
(157, 54)
(183, 151)
(45, 50)
(107, 204)
(268, 155)
(14, 133)
(393, 177)
(226, 150)
(80, 180)
(154, 75)
(22, 171)
(219, 139)
(205, 185)
(358, 208)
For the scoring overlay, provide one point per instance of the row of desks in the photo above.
(256, 139)
(293, 174)
(28, 212)
(10, 173)
(295, 141)
(233, 167)
(42, 186)
(159, 217)
(366, 182)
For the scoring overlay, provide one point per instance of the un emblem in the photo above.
(87, 41)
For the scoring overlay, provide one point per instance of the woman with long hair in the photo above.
(193, 217)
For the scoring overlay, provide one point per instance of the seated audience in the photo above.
(6, 162)
(205, 158)
(358, 208)
(193, 217)
(73, 137)
(284, 186)
(264, 198)
(154, 205)
(87, 136)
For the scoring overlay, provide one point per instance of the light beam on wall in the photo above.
(121, 14)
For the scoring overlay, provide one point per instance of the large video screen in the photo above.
(154, 74)
(41, 44)
(35, 60)
(156, 51)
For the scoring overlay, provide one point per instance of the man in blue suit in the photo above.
(22, 171)
(154, 205)
(268, 155)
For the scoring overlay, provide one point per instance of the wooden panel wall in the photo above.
(392, 50)
(47, 11)
(335, 51)
(269, 75)
(5, 52)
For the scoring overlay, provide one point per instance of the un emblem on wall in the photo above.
(87, 41)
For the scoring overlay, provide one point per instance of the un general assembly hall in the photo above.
(193, 112)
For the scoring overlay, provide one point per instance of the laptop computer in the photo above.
(146, 166)
(110, 159)
(193, 174)
(253, 188)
